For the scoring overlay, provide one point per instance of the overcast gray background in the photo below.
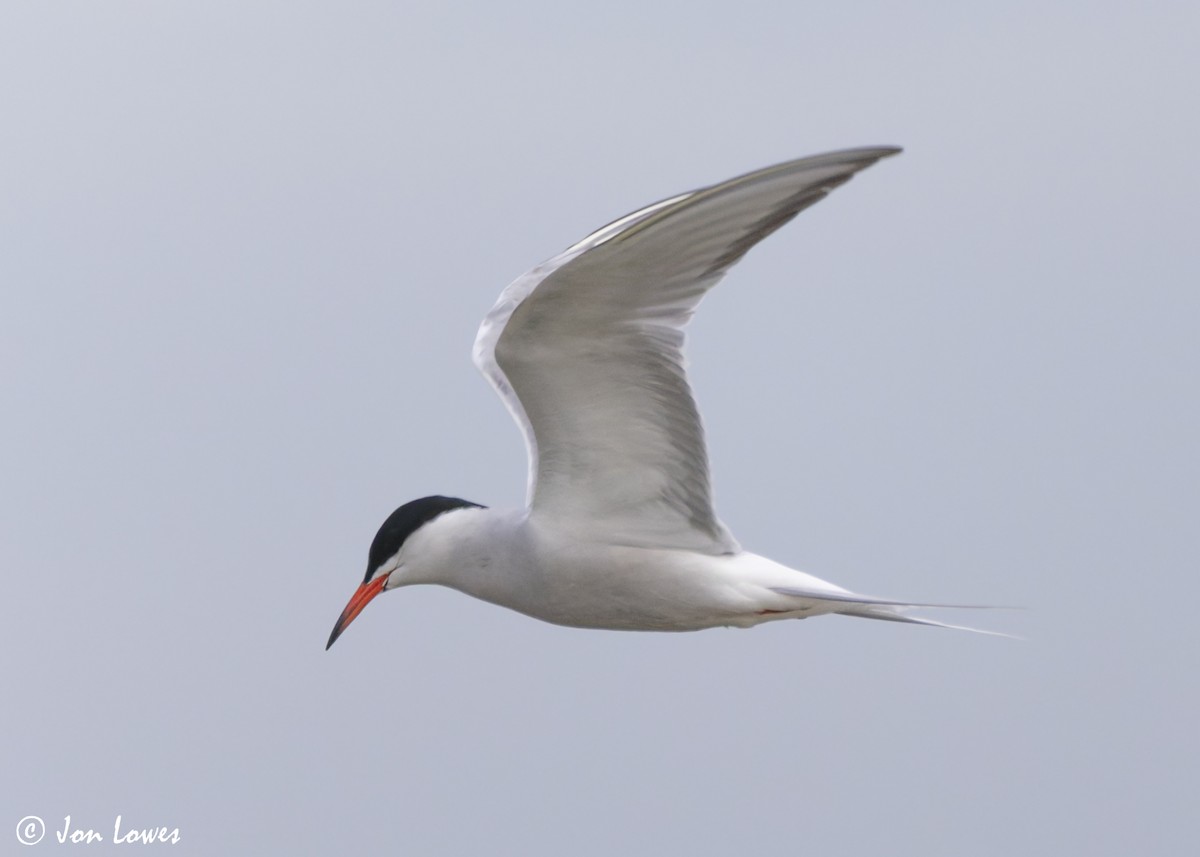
(245, 247)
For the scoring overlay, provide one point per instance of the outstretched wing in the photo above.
(586, 352)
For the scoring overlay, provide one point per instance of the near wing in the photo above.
(585, 350)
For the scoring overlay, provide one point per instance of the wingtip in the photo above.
(875, 153)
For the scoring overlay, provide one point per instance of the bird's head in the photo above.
(386, 560)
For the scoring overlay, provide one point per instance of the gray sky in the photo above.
(245, 250)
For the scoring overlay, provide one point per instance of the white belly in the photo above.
(628, 588)
(537, 570)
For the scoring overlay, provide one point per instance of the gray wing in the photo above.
(586, 352)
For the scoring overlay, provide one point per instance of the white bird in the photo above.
(586, 352)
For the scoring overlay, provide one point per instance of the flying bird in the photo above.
(586, 350)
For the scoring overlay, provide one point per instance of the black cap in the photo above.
(405, 521)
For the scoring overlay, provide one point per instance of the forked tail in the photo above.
(866, 607)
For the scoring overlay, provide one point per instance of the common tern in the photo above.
(586, 350)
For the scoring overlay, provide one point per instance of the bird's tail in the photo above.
(867, 607)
